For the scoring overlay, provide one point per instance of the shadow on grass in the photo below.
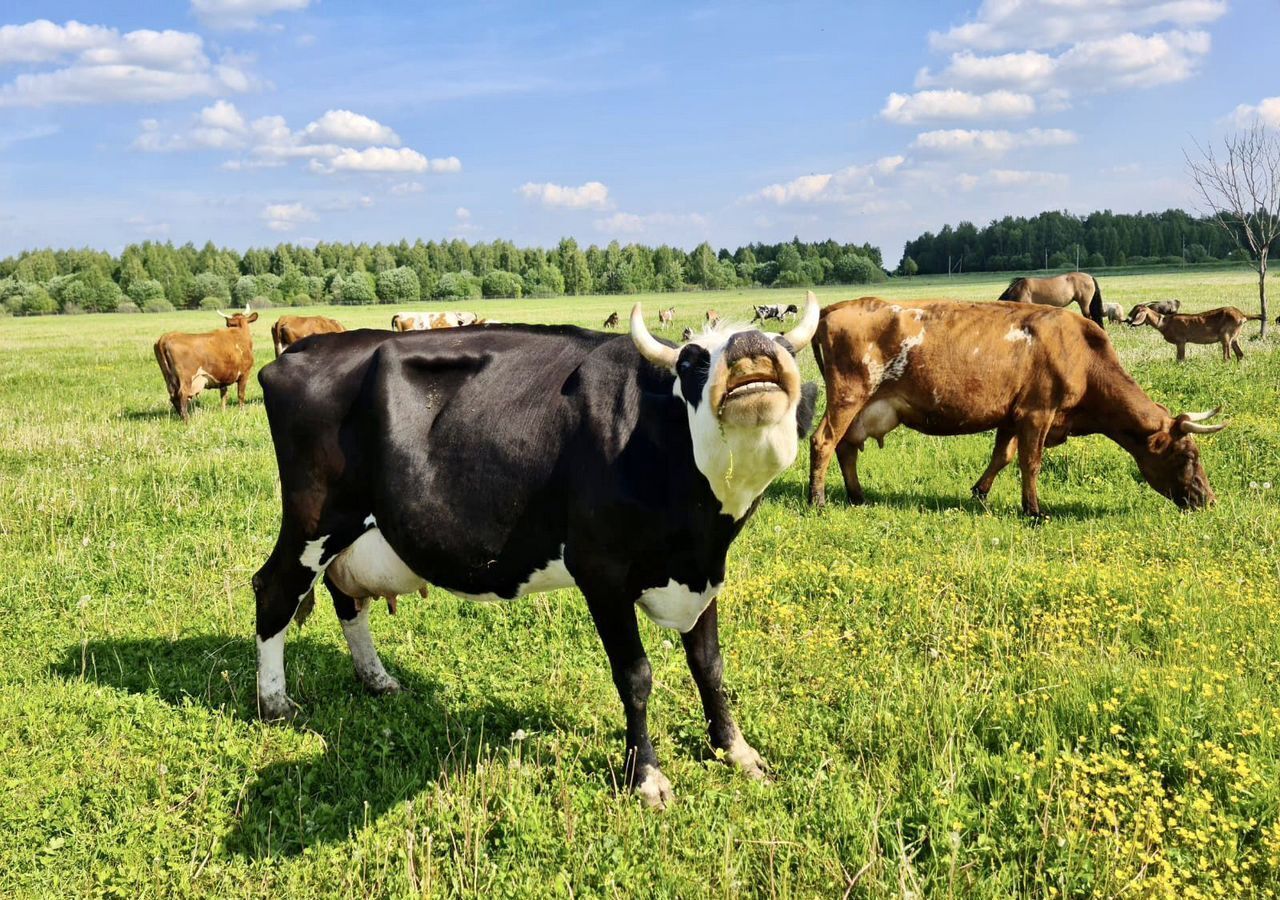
(927, 501)
(209, 406)
(378, 751)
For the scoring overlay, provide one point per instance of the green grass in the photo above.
(954, 702)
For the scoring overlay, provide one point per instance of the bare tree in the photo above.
(1240, 190)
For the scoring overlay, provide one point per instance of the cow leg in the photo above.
(1001, 456)
(241, 385)
(847, 454)
(702, 650)
(354, 616)
(1182, 352)
(1031, 438)
(835, 422)
(633, 677)
(183, 404)
(282, 589)
(1235, 346)
(222, 392)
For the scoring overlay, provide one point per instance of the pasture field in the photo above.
(954, 703)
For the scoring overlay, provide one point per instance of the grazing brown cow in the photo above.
(289, 329)
(1113, 312)
(192, 362)
(1217, 326)
(1060, 291)
(1037, 376)
(666, 317)
(713, 316)
(612, 321)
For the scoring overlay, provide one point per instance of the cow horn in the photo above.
(1203, 416)
(1189, 427)
(224, 315)
(650, 347)
(799, 336)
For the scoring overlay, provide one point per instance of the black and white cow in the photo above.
(504, 461)
(774, 311)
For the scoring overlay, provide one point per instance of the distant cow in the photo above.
(713, 316)
(686, 335)
(1060, 291)
(500, 462)
(192, 362)
(612, 321)
(1164, 307)
(666, 317)
(1217, 326)
(774, 311)
(1113, 312)
(426, 321)
(289, 329)
(1037, 376)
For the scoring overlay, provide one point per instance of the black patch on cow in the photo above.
(806, 407)
(692, 368)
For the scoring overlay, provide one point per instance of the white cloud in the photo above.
(405, 188)
(342, 126)
(463, 214)
(373, 159)
(286, 216)
(1040, 24)
(991, 142)
(1011, 179)
(1267, 112)
(268, 142)
(241, 14)
(840, 186)
(592, 195)
(101, 65)
(933, 106)
(631, 223)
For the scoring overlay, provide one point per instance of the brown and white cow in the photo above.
(192, 362)
(1034, 374)
(290, 329)
(666, 317)
(426, 321)
(1217, 326)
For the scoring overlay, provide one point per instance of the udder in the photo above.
(370, 568)
(877, 419)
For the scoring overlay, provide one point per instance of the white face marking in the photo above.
(368, 664)
(370, 520)
(370, 568)
(738, 463)
(1018, 334)
(271, 665)
(677, 606)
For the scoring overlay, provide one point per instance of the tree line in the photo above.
(1058, 239)
(154, 277)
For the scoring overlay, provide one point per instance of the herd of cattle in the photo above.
(495, 461)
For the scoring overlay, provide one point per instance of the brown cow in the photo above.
(1035, 375)
(192, 362)
(427, 321)
(713, 316)
(1060, 290)
(289, 329)
(1217, 326)
(666, 317)
(612, 320)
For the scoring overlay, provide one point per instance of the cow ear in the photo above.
(1159, 442)
(253, 318)
(806, 407)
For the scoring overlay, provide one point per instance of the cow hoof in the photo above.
(277, 708)
(818, 501)
(857, 499)
(653, 789)
(979, 494)
(1036, 519)
(747, 760)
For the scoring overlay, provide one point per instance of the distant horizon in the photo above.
(249, 121)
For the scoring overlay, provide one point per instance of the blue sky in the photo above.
(253, 121)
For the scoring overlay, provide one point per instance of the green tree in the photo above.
(501, 284)
(573, 266)
(398, 285)
(359, 288)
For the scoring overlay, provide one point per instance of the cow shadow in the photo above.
(210, 406)
(793, 496)
(377, 752)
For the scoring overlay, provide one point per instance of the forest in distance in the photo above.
(157, 277)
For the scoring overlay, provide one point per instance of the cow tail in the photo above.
(275, 337)
(166, 367)
(1257, 318)
(817, 356)
(395, 322)
(1095, 307)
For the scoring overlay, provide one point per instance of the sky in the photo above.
(249, 122)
